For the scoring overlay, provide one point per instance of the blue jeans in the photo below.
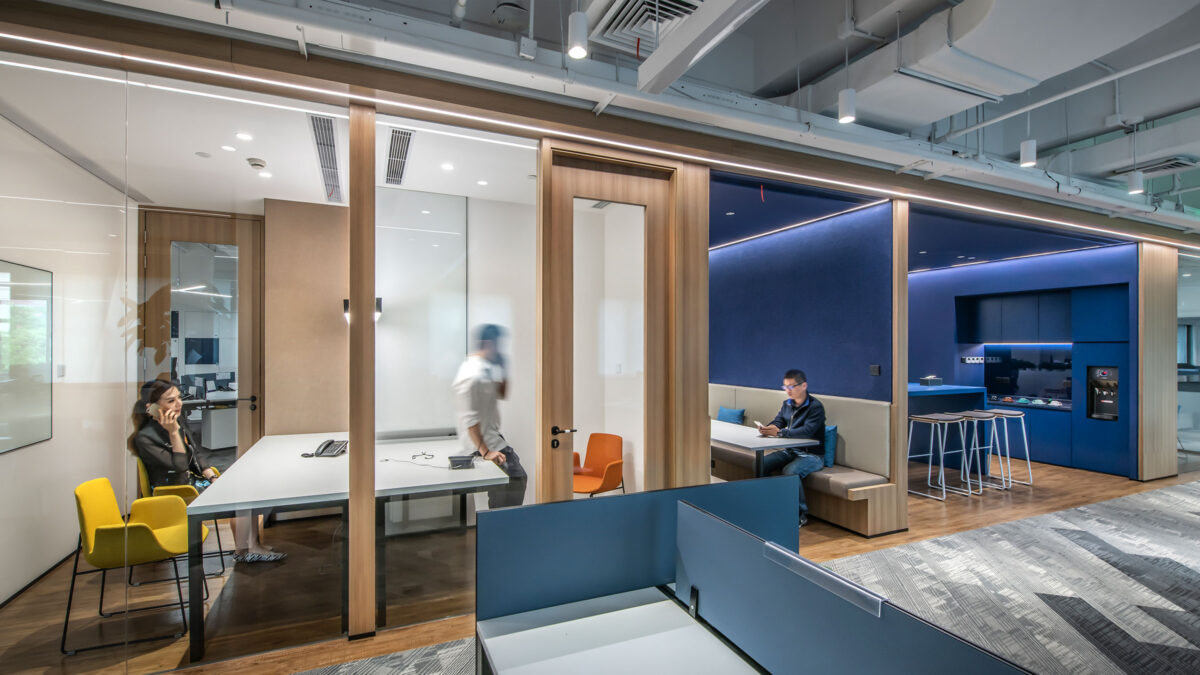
(792, 462)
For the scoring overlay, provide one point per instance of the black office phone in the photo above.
(329, 448)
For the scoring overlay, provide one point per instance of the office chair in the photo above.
(603, 466)
(188, 494)
(155, 532)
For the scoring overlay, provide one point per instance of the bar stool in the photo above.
(975, 418)
(1008, 416)
(939, 429)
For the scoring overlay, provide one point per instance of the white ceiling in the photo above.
(162, 125)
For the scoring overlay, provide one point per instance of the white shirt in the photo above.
(477, 401)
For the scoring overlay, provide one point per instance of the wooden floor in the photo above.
(1055, 488)
(266, 621)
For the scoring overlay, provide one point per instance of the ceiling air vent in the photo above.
(628, 21)
(398, 156)
(1161, 167)
(326, 142)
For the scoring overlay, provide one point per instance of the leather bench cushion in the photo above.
(838, 480)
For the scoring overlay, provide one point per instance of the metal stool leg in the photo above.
(1028, 462)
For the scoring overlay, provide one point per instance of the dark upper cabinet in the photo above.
(1016, 317)
(990, 317)
(1019, 318)
(1054, 317)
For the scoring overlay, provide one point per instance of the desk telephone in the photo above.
(329, 448)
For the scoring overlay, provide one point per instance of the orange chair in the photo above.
(602, 471)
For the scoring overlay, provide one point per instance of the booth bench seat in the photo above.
(856, 492)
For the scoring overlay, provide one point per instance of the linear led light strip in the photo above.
(537, 130)
(1018, 257)
(793, 226)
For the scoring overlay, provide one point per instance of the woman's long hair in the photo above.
(150, 393)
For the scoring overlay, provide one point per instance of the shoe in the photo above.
(259, 557)
(803, 519)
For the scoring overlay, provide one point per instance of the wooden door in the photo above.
(163, 234)
(675, 198)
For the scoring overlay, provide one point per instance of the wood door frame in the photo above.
(675, 195)
(234, 229)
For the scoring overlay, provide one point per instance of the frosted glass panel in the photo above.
(25, 312)
(421, 283)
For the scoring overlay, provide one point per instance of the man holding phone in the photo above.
(801, 416)
(478, 387)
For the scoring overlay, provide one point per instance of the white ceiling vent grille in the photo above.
(1161, 167)
(326, 142)
(398, 156)
(627, 21)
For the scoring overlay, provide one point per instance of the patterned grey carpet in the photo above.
(448, 658)
(1107, 588)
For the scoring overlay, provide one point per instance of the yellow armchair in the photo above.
(155, 532)
(187, 493)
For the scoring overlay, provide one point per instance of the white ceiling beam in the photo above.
(696, 36)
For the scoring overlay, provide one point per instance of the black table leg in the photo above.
(196, 587)
(346, 568)
(380, 563)
(758, 464)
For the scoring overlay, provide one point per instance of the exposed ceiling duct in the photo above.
(983, 50)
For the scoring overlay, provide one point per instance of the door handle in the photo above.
(253, 400)
(555, 430)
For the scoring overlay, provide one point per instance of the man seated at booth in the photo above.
(801, 416)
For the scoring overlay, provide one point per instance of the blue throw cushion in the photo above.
(830, 444)
(731, 415)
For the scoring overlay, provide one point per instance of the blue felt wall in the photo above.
(818, 298)
(1103, 285)
(544, 555)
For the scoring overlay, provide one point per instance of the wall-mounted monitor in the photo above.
(201, 351)
(26, 314)
(1029, 373)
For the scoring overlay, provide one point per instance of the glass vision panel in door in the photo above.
(204, 338)
(609, 345)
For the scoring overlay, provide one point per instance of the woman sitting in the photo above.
(171, 456)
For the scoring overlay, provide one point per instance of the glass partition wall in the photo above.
(1187, 356)
(183, 245)
(454, 353)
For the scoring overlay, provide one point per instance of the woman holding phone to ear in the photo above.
(172, 457)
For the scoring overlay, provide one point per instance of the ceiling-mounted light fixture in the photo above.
(1028, 147)
(577, 31)
(1135, 179)
(1028, 153)
(846, 107)
(1137, 182)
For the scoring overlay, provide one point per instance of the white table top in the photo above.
(272, 473)
(635, 632)
(747, 438)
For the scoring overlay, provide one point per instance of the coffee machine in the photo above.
(1103, 392)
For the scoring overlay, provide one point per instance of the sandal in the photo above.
(274, 556)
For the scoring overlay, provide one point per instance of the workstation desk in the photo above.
(740, 439)
(273, 475)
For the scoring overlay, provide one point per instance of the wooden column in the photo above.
(689, 307)
(896, 516)
(1158, 268)
(362, 371)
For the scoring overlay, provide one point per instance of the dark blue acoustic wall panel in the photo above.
(537, 556)
(818, 297)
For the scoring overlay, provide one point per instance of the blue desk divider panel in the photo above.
(791, 615)
(531, 557)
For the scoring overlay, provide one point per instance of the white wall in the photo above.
(501, 289)
(609, 292)
(92, 399)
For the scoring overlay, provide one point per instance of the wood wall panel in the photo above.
(362, 371)
(1158, 268)
(306, 344)
(690, 326)
(894, 512)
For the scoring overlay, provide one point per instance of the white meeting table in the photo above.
(744, 439)
(273, 475)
